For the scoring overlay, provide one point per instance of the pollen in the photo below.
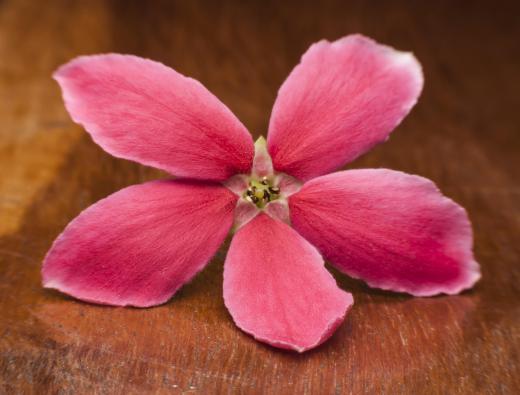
(261, 192)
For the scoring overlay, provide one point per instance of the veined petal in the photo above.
(393, 230)
(142, 110)
(277, 289)
(342, 99)
(139, 245)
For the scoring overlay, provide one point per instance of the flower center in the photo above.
(263, 190)
(260, 192)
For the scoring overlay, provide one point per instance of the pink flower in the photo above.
(138, 246)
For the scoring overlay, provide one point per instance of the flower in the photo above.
(138, 246)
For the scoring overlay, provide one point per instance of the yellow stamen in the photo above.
(261, 192)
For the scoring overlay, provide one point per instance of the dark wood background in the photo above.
(464, 135)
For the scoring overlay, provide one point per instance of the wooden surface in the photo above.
(464, 135)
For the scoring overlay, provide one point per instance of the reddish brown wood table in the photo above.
(464, 134)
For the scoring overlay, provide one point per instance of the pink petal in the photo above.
(277, 289)
(141, 244)
(142, 110)
(341, 100)
(393, 230)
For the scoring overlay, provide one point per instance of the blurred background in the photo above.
(463, 134)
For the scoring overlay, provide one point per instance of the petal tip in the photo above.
(300, 348)
(334, 323)
(331, 327)
(405, 60)
(65, 69)
(410, 61)
(471, 277)
(467, 281)
(51, 284)
(61, 71)
(98, 299)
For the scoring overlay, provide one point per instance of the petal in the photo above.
(142, 110)
(141, 244)
(393, 230)
(341, 100)
(277, 289)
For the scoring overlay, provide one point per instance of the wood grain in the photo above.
(464, 135)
